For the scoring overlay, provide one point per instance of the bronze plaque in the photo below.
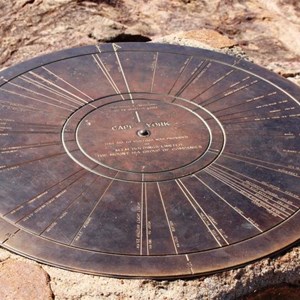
(147, 160)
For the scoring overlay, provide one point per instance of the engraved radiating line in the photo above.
(107, 75)
(243, 102)
(185, 65)
(94, 208)
(138, 117)
(214, 83)
(185, 191)
(243, 111)
(44, 192)
(240, 157)
(257, 76)
(223, 199)
(229, 91)
(11, 235)
(4, 167)
(200, 70)
(243, 117)
(189, 263)
(70, 204)
(239, 183)
(19, 106)
(105, 72)
(29, 146)
(265, 119)
(240, 189)
(154, 72)
(167, 218)
(28, 132)
(267, 206)
(47, 88)
(66, 82)
(260, 182)
(247, 118)
(40, 94)
(282, 135)
(142, 213)
(98, 48)
(35, 99)
(234, 143)
(146, 216)
(116, 47)
(29, 123)
(251, 128)
(59, 193)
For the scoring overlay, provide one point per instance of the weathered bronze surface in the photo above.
(147, 160)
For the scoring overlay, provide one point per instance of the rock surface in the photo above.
(228, 285)
(23, 281)
(265, 31)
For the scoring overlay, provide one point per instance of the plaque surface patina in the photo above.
(147, 160)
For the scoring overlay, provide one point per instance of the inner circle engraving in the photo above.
(107, 135)
(184, 137)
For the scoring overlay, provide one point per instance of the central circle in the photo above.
(171, 137)
(143, 132)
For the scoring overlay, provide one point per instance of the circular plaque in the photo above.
(147, 160)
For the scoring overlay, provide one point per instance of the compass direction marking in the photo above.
(189, 263)
(167, 218)
(202, 67)
(258, 200)
(41, 194)
(73, 99)
(36, 100)
(224, 200)
(146, 217)
(138, 117)
(280, 207)
(116, 48)
(142, 215)
(69, 84)
(50, 225)
(253, 161)
(20, 107)
(213, 230)
(10, 167)
(214, 83)
(40, 94)
(245, 102)
(185, 64)
(232, 89)
(262, 183)
(29, 146)
(86, 221)
(104, 70)
(49, 89)
(51, 199)
(154, 72)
